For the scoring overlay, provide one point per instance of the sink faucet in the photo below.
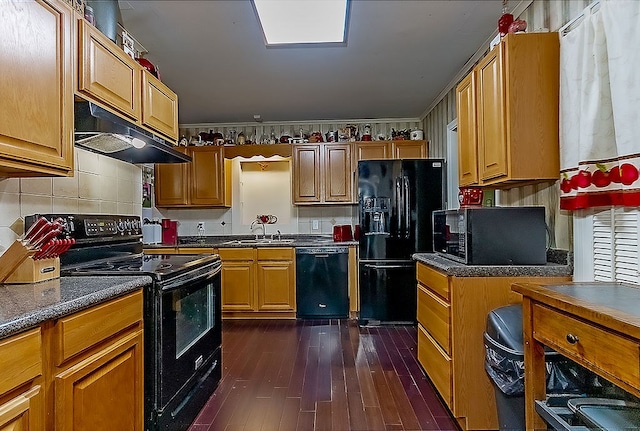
(258, 222)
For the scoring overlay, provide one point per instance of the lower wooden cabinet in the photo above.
(24, 412)
(98, 356)
(258, 282)
(104, 391)
(80, 372)
(21, 379)
(451, 314)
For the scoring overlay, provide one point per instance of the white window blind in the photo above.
(615, 245)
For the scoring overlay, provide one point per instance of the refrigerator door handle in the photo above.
(399, 206)
(407, 206)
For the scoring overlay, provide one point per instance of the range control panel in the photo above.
(84, 226)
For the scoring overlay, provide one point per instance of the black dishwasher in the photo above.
(322, 282)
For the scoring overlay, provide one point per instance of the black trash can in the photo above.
(504, 363)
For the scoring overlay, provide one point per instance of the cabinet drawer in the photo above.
(20, 359)
(275, 253)
(436, 363)
(609, 352)
(435, 316)
(434, 280)
(236, 253)
(84, 329)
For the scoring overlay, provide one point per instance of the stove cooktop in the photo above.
(158, 266)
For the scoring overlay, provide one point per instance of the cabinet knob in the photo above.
(572, 339)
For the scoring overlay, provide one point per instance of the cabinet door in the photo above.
(207, 176)
(106, 73)
(36, 89)
(24, 412)
(172, 182)
(104, 391)
(159, 106)
(377, 150)
(337, 173)
(306, 173)
(492, 146)
(237, 285)
(467, 131)
(276, 285)
(409, 149)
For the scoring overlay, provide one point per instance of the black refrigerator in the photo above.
(396, 199)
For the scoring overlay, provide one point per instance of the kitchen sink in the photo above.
(258, 241)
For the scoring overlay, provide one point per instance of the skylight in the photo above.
(302, 21)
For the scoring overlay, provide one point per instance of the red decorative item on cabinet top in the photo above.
(505, 20)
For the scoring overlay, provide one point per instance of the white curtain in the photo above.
(600, 108)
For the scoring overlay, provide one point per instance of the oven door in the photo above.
(187, 334)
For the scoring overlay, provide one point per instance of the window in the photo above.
(615, 251)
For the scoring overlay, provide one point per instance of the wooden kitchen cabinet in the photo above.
(75, 372)
(159, 106)
(36, 89)
(21, 393)
(109, 77)
(451, 313)
(98, 366)
(322, 173)
(467, 131)
(203, 182)
(275, 279)
(106, 74)
(258, 282)
(396, 149)
(238, 279)
(515, 106)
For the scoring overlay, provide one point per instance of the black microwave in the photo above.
(491, 235)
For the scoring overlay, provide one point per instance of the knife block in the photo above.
(12, 258)
(33, 271)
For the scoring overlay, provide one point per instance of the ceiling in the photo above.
(399, 56)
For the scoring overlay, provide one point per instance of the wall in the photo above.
(541, 14)
(100, 185)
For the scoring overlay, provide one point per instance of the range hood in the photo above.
(102, 132)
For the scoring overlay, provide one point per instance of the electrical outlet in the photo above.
(201, 226)
(315, 225)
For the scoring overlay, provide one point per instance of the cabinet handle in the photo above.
(322, 305)
(572, 339)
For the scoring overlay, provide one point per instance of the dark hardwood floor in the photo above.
(313, 375)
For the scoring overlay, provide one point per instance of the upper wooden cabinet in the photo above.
(109, 77)
(36, 89)
(515, 106)
(106, 74)
(397, 149)
(322, 173)
(159, 106)
(203, 182)
(467, 131)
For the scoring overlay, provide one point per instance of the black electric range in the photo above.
(182, 311)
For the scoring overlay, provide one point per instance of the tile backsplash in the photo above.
(100, 185)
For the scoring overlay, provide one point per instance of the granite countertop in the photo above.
(23, 306)
(234, 241)
(559, 264)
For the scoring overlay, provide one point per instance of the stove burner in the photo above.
(97, 267)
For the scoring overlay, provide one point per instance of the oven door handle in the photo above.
(194, 276)
(388, 266)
